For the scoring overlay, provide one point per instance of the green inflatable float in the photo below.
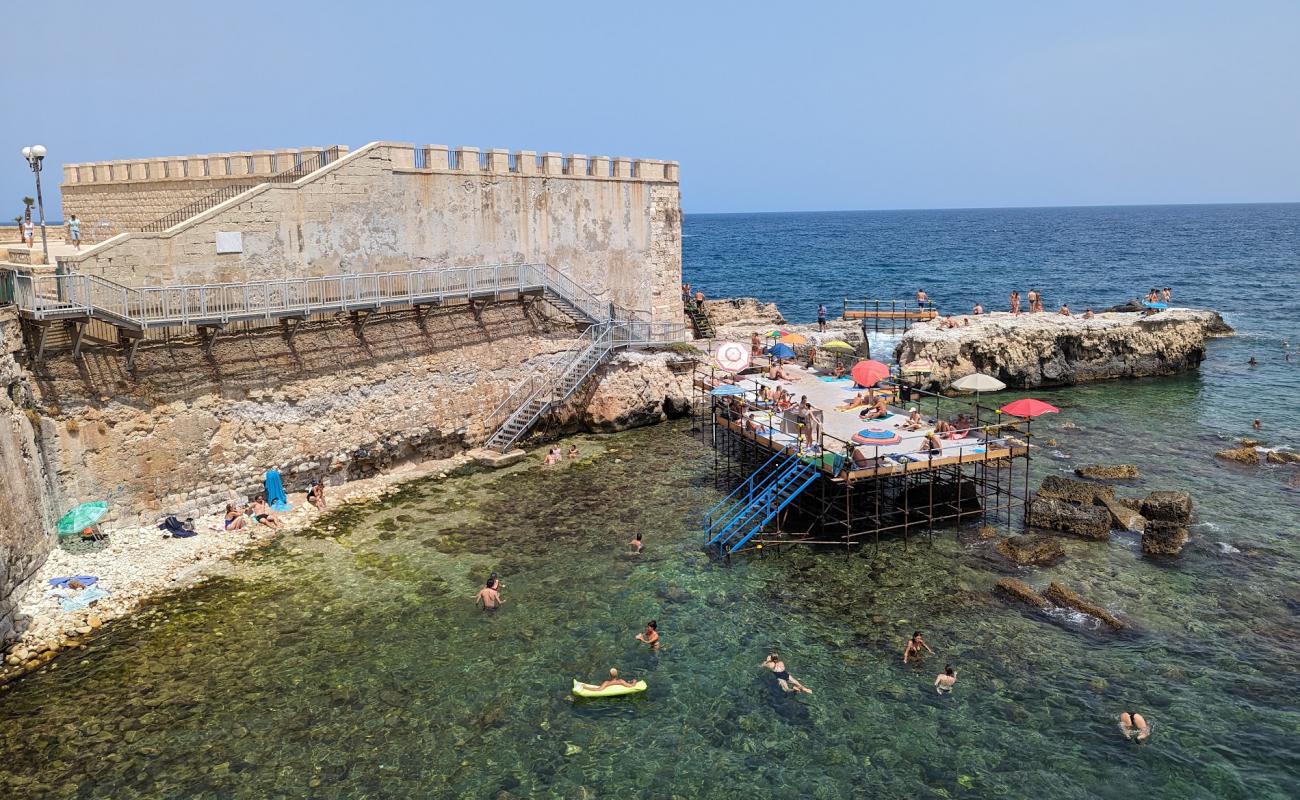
(589, 690)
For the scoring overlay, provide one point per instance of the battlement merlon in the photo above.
(193, 167)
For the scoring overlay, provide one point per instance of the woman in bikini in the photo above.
(914, 421)
(912, 650)
(316, 495)
(1134, 724)
(650, 636)
(932, 444)
(235, 520)
(877, 410)
(787, 682)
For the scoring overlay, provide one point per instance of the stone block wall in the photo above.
(611, 224)
(111, 197)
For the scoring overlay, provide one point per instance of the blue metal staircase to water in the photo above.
(755, 502)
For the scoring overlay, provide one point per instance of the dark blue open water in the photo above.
(347, 661)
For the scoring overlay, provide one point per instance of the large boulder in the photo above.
(1161, 538)
(1107, 472)
(1068, 598)
(1019, 591)
(1173, 507)
(1074, 491)
(1037, 551)
(742, 311)
(1240, 455)
(1053, 513)
(634, 389)
(1282, 457)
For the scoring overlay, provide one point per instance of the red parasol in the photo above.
(1028, 407)
(868, 372)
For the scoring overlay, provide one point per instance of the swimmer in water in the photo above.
(651, 635)
(490, 596)
(637, 544)
(1252, 362)
(1134, 725)
(787, 682)
(614, 680)
(912, 650)
(943, 684)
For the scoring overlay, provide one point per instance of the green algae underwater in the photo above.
(348, 660)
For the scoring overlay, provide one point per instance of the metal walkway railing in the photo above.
(741, 515)
(133, 309)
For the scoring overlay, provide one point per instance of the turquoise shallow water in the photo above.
(350, 662)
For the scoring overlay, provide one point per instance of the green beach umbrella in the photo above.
(82, 517)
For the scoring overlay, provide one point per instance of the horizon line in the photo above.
(1007, 208)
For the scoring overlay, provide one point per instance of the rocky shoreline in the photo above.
(1034, 350)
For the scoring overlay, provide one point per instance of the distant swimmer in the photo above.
(614, 680)
(1256, 424)
(784, 679)
(912, 650)
(1134, 726)
(943, 684)
(650, 636)
(637, 544)
(490, 596)
(1252, 362)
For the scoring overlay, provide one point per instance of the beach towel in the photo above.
(82, 599)
(177, 529)
(84, 580)
(275, 496)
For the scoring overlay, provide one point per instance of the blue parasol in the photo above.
(726, 390)
(780, 351)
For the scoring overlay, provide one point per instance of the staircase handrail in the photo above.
(743, 491)
(804, 477)
(537, 383)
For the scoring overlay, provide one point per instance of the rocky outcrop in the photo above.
(1065, 597)
(1053, 513)
(742, 311)
(1240, 455)
(1107, 472)
(1038, 551)
(1020, 592)
(1052, 350)
(1167, 516)
(639, 388)
(1282, 457)
(1075, 491)
(26, 511)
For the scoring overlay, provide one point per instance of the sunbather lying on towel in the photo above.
(857, 401)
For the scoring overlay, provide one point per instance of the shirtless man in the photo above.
(877, 410)
(943, 683)
(1032, 297)
(931, 444)
(858, 400)
(978, 309)
(784, 679)
(650, 636)
(489, 597)
(912, 650)
(1130, 724)
(614, 680)
(921, 298)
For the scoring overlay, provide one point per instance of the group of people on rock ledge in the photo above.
(1034, 300)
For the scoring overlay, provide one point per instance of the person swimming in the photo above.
(784, 679)
(943, 683)
(1134, 725)
(912, 650)
(613, 680)
(650, 636)
(490, 595)
(637, 544)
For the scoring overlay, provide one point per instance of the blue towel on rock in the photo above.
(275, 496)
(82, 599)
(84, 580)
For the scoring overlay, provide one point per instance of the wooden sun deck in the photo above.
(906, 314)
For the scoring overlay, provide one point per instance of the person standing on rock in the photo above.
(821, 317)
(1031, 297)
(1015, 302)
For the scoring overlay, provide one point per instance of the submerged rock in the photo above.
(986, 532)
(1161, 538)
(1107, 472)
(1032, 550)
(1281, 457)
(1240, 455)
(1053, 513)
(1168, 507)
(1074, 491)
(1019, 591)
(1063, 596)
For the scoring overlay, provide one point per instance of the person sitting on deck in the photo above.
(931, 444)
(944, 429)
(914, 421)
(614, 680)
(784, 400)
(838, 372)
(878, 410)
(776, 372)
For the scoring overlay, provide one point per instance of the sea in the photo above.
(348, 660)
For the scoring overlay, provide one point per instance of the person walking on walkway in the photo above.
(74, 231)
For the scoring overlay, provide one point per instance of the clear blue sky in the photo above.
(768, 107)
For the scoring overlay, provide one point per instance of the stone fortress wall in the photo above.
(611, 224)
(111, 197)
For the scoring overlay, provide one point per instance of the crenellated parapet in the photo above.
(213, 166)
(436, 158)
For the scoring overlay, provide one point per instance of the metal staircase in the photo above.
(699, 318)
(741, 515)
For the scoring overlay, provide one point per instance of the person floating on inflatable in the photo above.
(610, 688)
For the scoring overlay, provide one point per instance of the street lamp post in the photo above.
(35, 155)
